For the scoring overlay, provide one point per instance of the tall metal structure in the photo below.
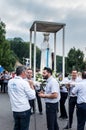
(49, 27)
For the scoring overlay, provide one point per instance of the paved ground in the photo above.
(38, 122)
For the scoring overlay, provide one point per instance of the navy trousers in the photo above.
(51, 114)
(81, 116)
(72, 104)
(39, 102)
(62, 105)
(22, 120)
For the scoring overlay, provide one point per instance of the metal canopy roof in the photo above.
(42, 26)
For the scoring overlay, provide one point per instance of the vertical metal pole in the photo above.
(63, 51)
(30, 49)
(55, 52)
(34, 51)
(35, 72)
(68, 107)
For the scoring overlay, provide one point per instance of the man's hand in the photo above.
(41, 94)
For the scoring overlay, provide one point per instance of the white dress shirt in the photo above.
(80, 90)
(73, 85)
(51, 87)
(63, 82)
(20, 92)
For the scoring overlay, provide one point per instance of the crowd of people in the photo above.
(23, 91)
(5, 76)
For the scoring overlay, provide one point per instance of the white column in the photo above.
(55, 52)
(63, 51)
(34, 51)
(30, 49)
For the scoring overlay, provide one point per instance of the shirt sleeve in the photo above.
(75, 90)
(55, 87)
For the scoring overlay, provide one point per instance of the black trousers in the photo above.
(51, 115)
(81, 116)
(32, 103)
(5, 85)
(1, 83)
(39, 102)
(72, 104)
(63, 112)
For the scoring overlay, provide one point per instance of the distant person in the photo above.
(5, 81)
(20, 92)
(1, 81)
(52, 97)
(80, 90)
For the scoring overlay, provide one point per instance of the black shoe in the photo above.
(63, 118)
(60, 117)
(32, 113)
(41, 113)
(67, 127)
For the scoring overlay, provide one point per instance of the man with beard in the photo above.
(52, 97)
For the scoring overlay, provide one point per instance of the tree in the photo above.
(75, 60)
(2, 32)
(59, 63)
(20, 48)
(7, 57)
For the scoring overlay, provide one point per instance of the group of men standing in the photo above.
(76, 97)
(21, 91)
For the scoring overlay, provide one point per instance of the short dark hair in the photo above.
(84, 75)
(20, 69)
(29, 69)
(49, 70)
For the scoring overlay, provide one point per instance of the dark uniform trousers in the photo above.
(22, 120)
(62, 105)
(81, 116)
(39, 102)
(51, 114)
(72, 103)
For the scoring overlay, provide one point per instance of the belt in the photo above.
(82, 103)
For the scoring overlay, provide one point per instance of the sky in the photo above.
(19, 15)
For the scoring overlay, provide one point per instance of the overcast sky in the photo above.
(18, 15)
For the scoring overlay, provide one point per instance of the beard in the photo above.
(45, 77)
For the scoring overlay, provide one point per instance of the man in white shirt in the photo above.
(20, 92)
(72, 98)
(80, 90)
(52, 97)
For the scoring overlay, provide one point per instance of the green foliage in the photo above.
(2, 32)
(7, 58)
(59, 63)
(20, 48)
(38, 57)
(75, 60)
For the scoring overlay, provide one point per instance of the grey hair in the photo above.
(20, 69)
